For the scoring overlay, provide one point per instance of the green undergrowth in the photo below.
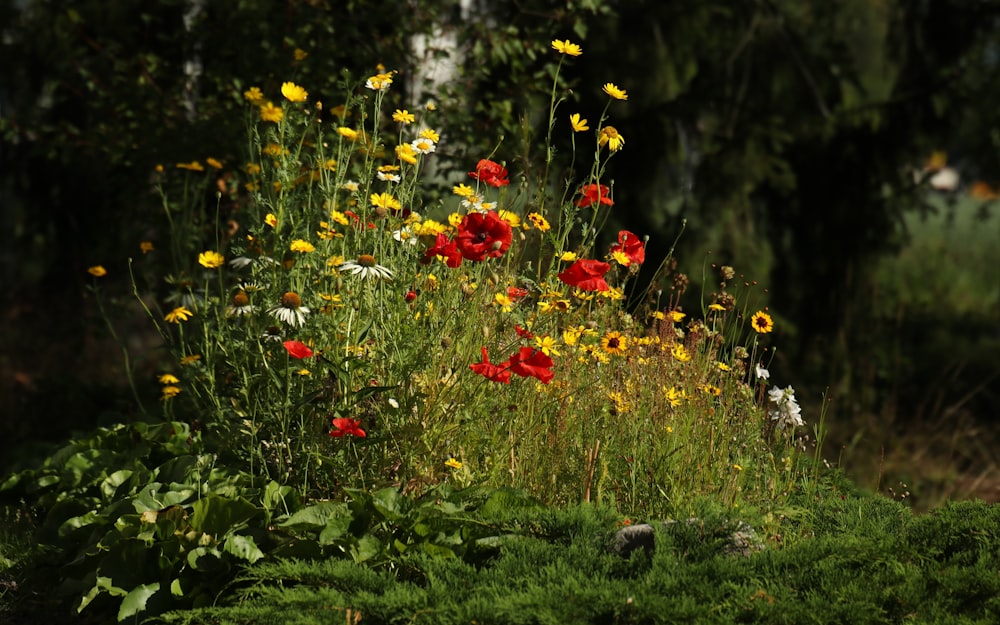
(848, 558)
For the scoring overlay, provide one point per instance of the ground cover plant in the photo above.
(353, 367)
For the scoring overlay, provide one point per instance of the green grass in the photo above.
(844, 558)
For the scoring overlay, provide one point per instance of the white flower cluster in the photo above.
(786, 412)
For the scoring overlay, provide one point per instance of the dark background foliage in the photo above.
(785, 133)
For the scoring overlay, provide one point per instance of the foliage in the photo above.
(328, 329)
(857, 559)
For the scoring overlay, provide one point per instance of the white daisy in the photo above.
(423, 145)
(239, 305)
(366, 266)
(290, 310)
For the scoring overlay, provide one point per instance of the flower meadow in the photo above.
(331, 327)
(341, 330)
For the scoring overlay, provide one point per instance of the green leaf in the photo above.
(176, 589)
(204, 559)
(243, 547)
(218, 516)
(316, 517)
(366, 548)
(135, 601)
(390, 504)
(111, 483)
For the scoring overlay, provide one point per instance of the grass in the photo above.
(856, 559)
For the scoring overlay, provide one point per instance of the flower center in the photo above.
(366, 260)
(291, 300)
(613, 343)
(240, 299)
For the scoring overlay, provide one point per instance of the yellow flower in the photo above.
(674, 397)
(271, 113)
(762, 322)
(568, 257)
(253, 95)
(303, 372)
(192, 166)
(609, 136)
(566, 47)
(211, 259)
(677, 316)
(379, 82)
(252, 168)
(455, 219)
(680, 352)
(146, 247)
(579, 125)
(614, 343)
(405, 153)
(454, 464)
(190, 360)
(711, 390)
(556, 305)
(504, 301)
(178, 315)
(723, 366)
(547, 345)
(510, 218)
(293, 92)
(612, 90)
(539, 222)
(429, 133)
(463, 190)
(168, 378)
(302, 246)
(213, 163)
(340, 218)
(385, 200)
(169, 392)
(621, 258)
(716, 307)
(98, 271)
(300, 54)
(348, 133)
(403, 117)
(271, 219)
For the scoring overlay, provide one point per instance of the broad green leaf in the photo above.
(218, 516)
(111, 483)
(336, 527)
(389, 503)
(366, 548)
(243, 547)
(204, 559)
(75, 523)
(176, 589)
(135, 601)
(316, 517)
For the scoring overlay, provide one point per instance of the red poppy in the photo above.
(491, 173)
(410, 296)
(483, 234)
(446, 247)
(347, 427)
(516, 293)
(594, 194)
(532, 362)
(297, 349)
(495, 373)
(524, 333)
(631, 245)
(586, 274)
